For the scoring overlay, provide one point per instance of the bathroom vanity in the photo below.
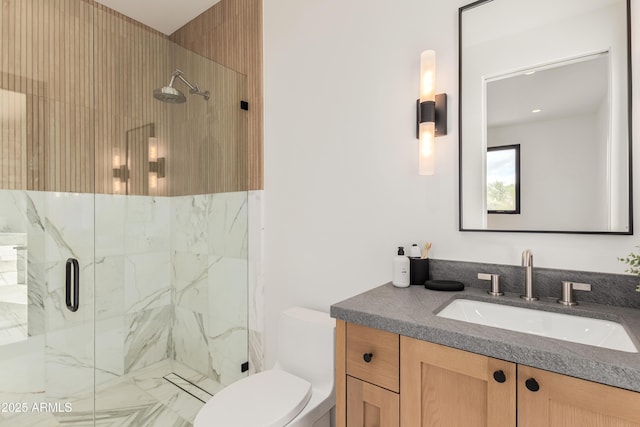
(398, 363)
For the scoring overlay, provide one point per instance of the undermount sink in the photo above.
(583, 330)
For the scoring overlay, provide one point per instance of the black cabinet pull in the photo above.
(532, 385)
(499, 376)
(72, 296)
(367, 357)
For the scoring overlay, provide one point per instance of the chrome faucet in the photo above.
(527, 263)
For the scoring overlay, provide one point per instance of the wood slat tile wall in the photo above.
(46, 77)
(208, 153)
(76, 77)
(130, 61)
(230, 33)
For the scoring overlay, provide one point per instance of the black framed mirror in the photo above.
(555, 79)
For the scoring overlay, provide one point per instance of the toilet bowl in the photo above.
(298, 392)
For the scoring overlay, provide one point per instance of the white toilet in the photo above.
(298, 392)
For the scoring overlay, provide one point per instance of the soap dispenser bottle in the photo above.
(400, 269)
(414, 251)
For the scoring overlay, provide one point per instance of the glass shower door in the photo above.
(46, 344)
(46, 307)
(46, 213)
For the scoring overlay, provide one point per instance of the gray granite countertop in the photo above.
(412, 312)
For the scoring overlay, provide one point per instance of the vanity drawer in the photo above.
(373, 356)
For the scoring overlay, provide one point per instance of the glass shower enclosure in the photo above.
(123, 221)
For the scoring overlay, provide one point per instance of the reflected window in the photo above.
(503, 179)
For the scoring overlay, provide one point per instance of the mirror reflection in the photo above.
(136, 170)
(13, 288)
(556, 85)
(503, 179)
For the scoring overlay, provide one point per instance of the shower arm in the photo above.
(194, 89)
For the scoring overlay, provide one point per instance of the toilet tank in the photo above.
(306, 345)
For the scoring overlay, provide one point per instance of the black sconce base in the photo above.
(122, 173)
(158, 167)
(430, 111)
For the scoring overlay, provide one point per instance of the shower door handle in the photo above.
(72, 296)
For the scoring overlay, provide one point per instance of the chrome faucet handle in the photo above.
(495, 283)
(567, 292)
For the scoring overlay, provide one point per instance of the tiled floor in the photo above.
(13, 313)
(141, 399)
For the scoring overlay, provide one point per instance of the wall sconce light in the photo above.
(431, 117)
(156, 164)
(120, 172)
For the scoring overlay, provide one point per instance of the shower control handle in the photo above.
(72, 294)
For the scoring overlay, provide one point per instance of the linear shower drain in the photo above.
(188, 387)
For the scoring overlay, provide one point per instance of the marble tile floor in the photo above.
(13, 313)
(160, 395)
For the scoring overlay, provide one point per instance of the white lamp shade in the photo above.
(427, 129)
(428, 76)
(153, 149)
(427, 149)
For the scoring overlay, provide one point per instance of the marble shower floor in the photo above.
(140, 399)
(13, 313)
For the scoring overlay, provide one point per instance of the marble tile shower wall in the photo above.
(177, 291)
(210, 272)
(133, 283)
(171, 282)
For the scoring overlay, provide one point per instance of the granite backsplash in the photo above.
(606, 288)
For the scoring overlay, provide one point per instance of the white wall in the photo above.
(341, 168)
(547, 198)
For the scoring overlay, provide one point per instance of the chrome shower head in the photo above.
(169, 94)
(174, 96)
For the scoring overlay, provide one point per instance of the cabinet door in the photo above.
(370, 406)
(444, 387)
(547, 399)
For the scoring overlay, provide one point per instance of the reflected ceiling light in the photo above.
(431, 117)
(537, 110)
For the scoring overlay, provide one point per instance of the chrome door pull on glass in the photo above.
(72, 269)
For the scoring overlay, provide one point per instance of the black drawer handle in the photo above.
(532, 385)
(499, 376)
(72, 296)
(367, 357)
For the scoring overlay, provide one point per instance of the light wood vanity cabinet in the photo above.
(563, 401)
(367, 376)
(373, 356)
(369, 405)
(442, 386)
(414, 383)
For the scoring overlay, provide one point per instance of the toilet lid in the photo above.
(268, 399)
